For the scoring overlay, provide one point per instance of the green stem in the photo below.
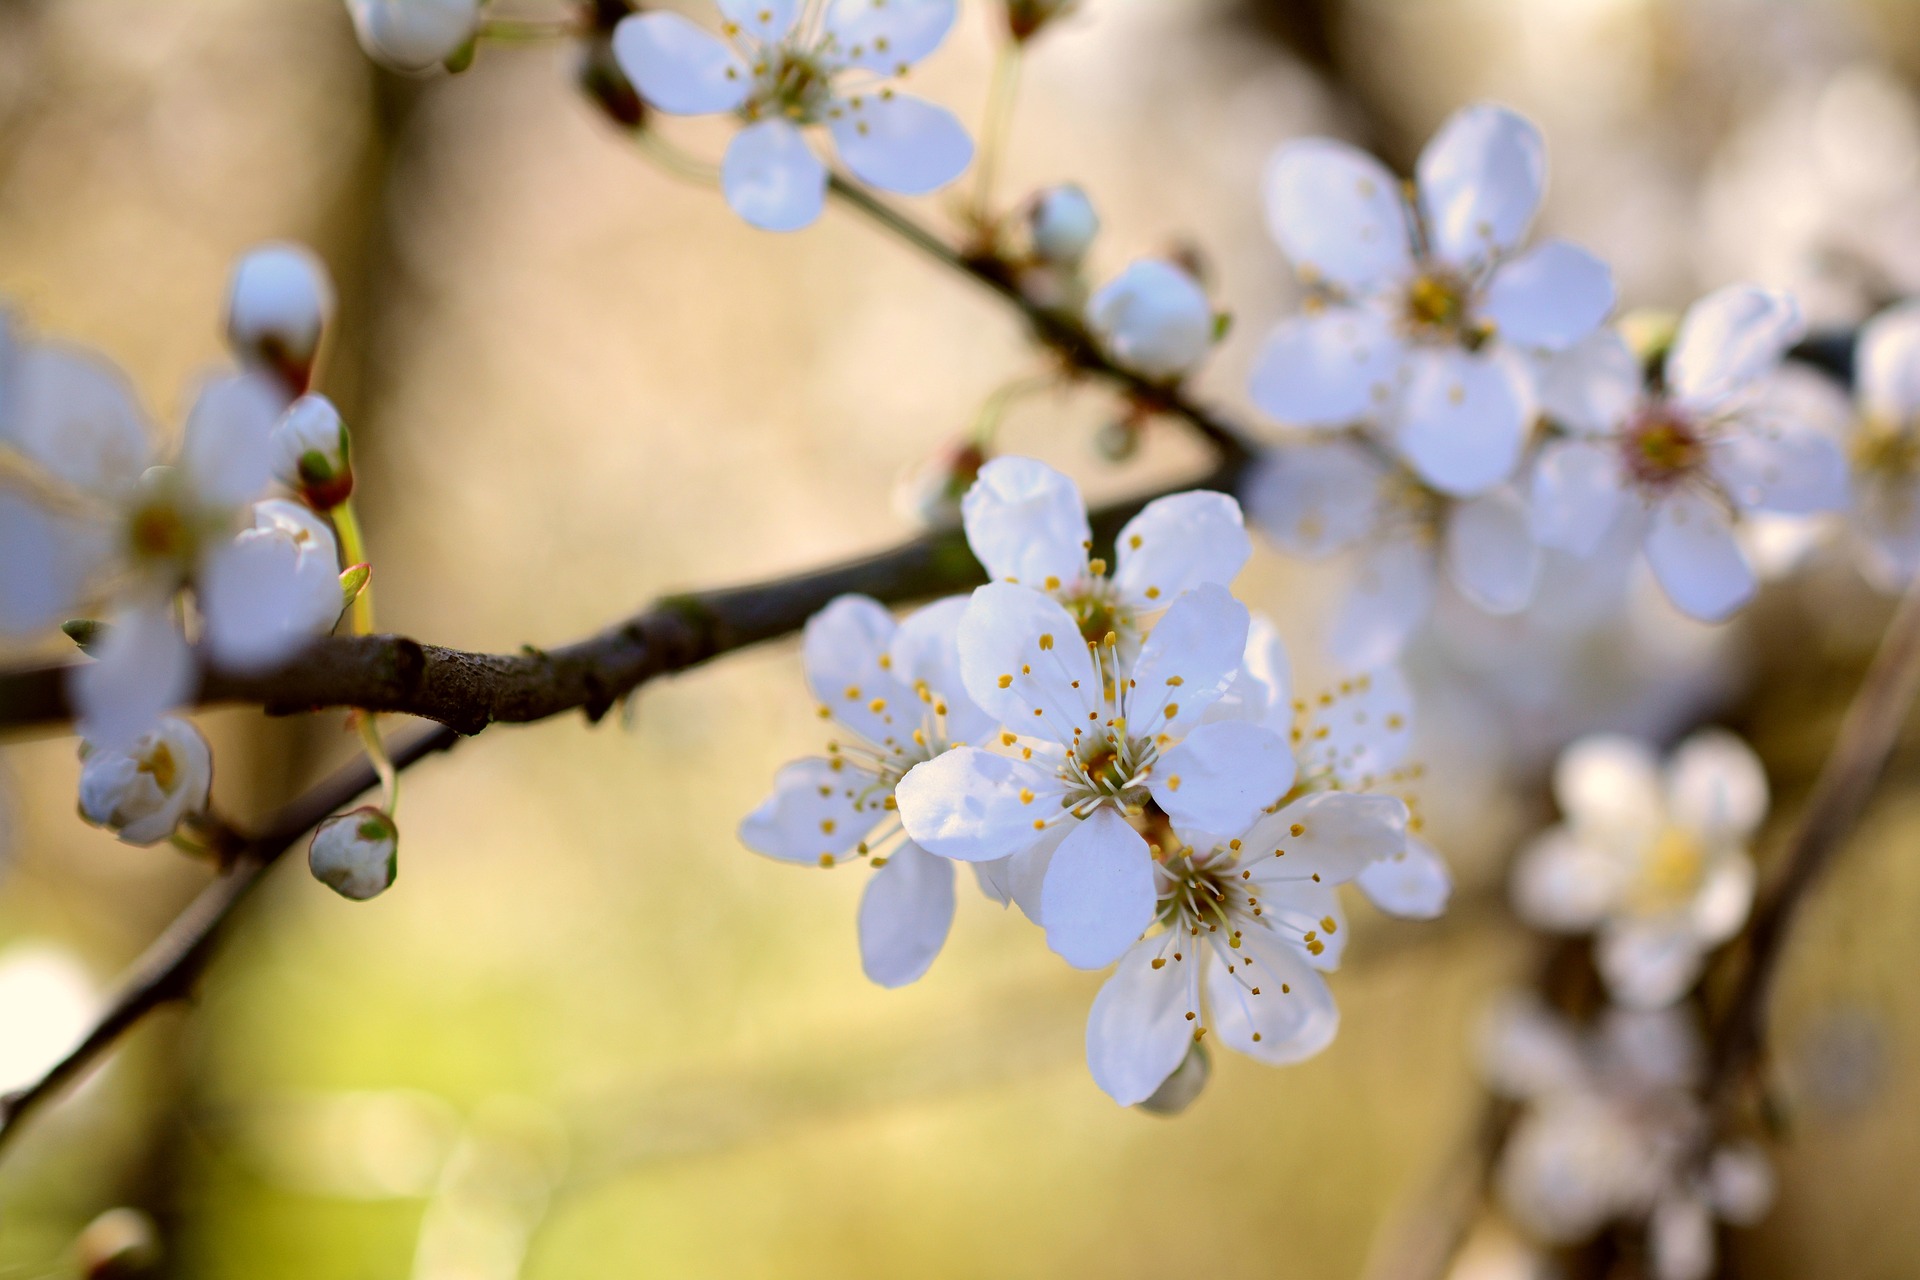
(994, 130)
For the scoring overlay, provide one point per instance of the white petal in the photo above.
(1592, 387)
(1337, 213)
(414, 35)
(967, 803)
(1549, 297)
(926, 651)
(1099, 894)
(1414, 885)
(1716, 786)
(1153, 318)
(1575, 495)
(1325, 838)
(1261, 690)
(905, 914)
(73, 414)
(1310, 916)
(1026, 874)
(1648, 964)
(1359, 730)
(1680, 1238)
(1462, 418)
(1740, 1183)
(1189, 659)
(265, 596)
(1293, 1017)
(1178, 542)
(1887, 365)
(898, 142)
(1728, 340)
(844, 650)
(227, 453)
(1026, 523)
(818, 812)
(1221, 776)
(1491, 555)
(888, 36)
(772, 178)
(1481, 178)
(1326, 369)
(1781, 467)
(1610, 782)
(1313, 499)
(47, 563)
(1528, 1050)
(763, 21)
(1696, 558)
(1023, 661)
(1391, 595)
(1564, 884)
(1724, 900)
(144, 670)
(678, 66)
(1138, 1032)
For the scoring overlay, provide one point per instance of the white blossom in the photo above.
(1027, 524)
(1061, 224)
(1885, 447)
(414, 35)
(279, 302)
(1425, 305)
(143, 793)
(1685, 462)
(787, 64)
(356, 854)
(312, 453)
(1154, 319)
(270, 589)
(1653, 861)
(896, 692)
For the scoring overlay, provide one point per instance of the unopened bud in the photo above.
(356, 854)
(311, 453)
(1061, 222)
(1153, 319)
(1025, 18)
(416, 36)
(1178, 1091)
(930, 494)
(143, 793)
(278, 305)
(119, 1244)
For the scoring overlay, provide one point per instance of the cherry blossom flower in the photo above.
(1154, 319)
(787, 64)
(1027, 524)
(414, 35)
(1425, 305)
(279, 302)
(1653, 861)
(356, 854)
(1320, 496)
(1688, 460)
(897, 694)
(1612, 1129)
(1885, 446)
(143, 793)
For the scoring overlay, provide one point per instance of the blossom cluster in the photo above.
(1115, 748)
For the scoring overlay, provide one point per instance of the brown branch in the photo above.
(165, 972)
(468, 691)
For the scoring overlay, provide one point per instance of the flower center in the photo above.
(1887, 451)
(1663, 447)
(1111, 766)
(793, 83)
(1435, 309)
(160, 764)
(1671, 870)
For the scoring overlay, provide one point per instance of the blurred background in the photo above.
(590, 1035)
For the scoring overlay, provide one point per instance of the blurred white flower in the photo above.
(1026, 523)
(312, 453)
(1687, 461)
(1425, 306)
(1154, 319)
(786, 64)
(143, 793)
(1885, 445)
(1653, 861)
(279, 301)
(414, 35)
(47, 1001)
(356, 854)
(1061, 224)
(896, 690)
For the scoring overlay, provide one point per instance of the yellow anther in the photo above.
(1175, 681)
(1173, 709)
(1026, 796)
(1052, 584)
(1096, 567)
(853, 693)
(1134, 542)
(1039, 824)
(1008, 739)
(1046, 640)
(1329, 924)
(1297, 829)
(886, 662)
(1173, 782)
(1153, 593)
(1111, 640)
(1006, 681)
(1159, 962)
(877, 705)
(826, 859)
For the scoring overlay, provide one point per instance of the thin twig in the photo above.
(166, 970)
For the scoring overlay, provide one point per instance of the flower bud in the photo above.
(1178, 1091)
(1025, 18)
(356, 854)
(119, 1244)
(278, 305)
(415, 36)
(142, 794)
(310, 452)
(1061, 222)
(1153, 319)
